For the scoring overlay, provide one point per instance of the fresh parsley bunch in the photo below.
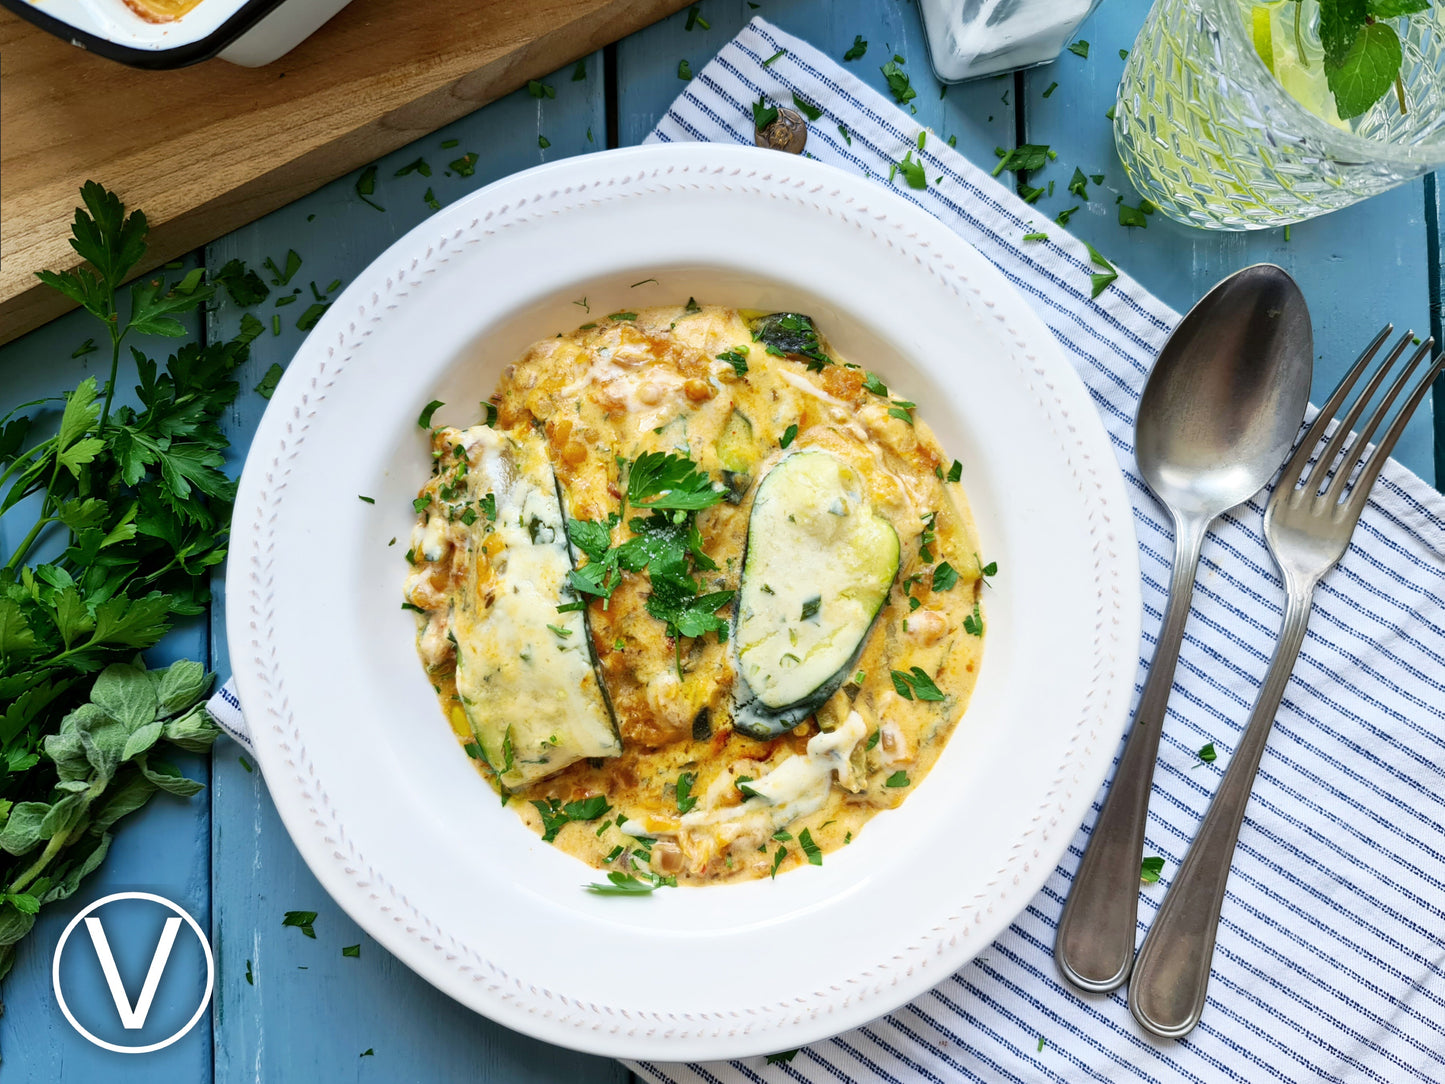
(1362, 55)
(123, 513)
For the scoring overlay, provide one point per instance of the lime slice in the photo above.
(1262, 25)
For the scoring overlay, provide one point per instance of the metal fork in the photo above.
(1307, 524)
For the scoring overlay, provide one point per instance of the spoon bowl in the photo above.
(1224, 402)
(1218, 415)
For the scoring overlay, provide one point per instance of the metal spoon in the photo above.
(1219, 414)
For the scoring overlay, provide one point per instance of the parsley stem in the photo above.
(1400, 92)
(115, 337)
(29, 540)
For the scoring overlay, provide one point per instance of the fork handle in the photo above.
(1094, 945)
(1171, 975)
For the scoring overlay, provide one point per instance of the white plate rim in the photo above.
(382, 908)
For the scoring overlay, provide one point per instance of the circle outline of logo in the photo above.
(205, 947)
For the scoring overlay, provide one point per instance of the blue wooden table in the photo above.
(306, 1013)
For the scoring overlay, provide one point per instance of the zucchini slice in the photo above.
(735, 454)
(526, 674)
(817, 570)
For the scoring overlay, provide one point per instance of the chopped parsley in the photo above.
(560, 631)
(302, 920)
(354, 951)
(466, 165)
(811, 607)
(420, 165)
(788, 435)
(898, 82)
(267, 387)
(973, 623)
(627, 884)
(684, 70)
(1102, 279)
(366, 187)
(846, 137)
(1024, 157)
(1207, 754)
(540, 90)
(1051, 88)
(1078, 184)
(857, 49)
(763, 113)
(1036, 236)
(898, 779)
(1132, 216)
(1150, 868)
(915, 683)
(778, 856)
(685, 798)
(811, 849)
(913, 171)
(873, 384)
(1080, 48)
(779, 54)
(694, 18)
(555, 815)
(1062, 218)
(955, 472)
(424, 418)
(873, 739)
(543, 142)
(622, 316)
(737, 357)
(944, 577)
(807, 108)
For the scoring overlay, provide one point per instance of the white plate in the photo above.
(381, 800)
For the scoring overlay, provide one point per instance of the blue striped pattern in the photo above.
(1331, 956)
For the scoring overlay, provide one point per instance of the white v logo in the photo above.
(133, 1018)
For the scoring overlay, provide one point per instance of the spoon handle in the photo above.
(1094, 946)
(1171, 976)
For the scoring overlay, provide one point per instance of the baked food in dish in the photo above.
(769, 619)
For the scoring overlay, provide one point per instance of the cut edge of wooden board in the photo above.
(37, 304)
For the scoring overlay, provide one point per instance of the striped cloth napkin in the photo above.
(1330, 962)
(1331, 956)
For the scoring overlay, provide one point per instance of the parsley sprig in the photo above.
(665, 543)
(129, 506)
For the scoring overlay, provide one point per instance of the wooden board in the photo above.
(209, 148)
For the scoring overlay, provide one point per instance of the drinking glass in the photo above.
(1209, 134)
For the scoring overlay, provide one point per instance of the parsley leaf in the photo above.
(788, 435)
(685, 798)
(424, 419)
(763, 113)
(1150, 868)
(1207, 753)
(302, 920)
(898, 82)
(1080, 48)
(857, 49)
(944, 577)
(737, 357)
(898, 779)
(1024, 157)
(807, 108)
(810, 848)
(1100, 280)
(659, 480)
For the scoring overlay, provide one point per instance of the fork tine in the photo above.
(1321, 472)
(1294, 470)
(1376, 460)
(1361, 446)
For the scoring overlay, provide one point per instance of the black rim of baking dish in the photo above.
(247, 15)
